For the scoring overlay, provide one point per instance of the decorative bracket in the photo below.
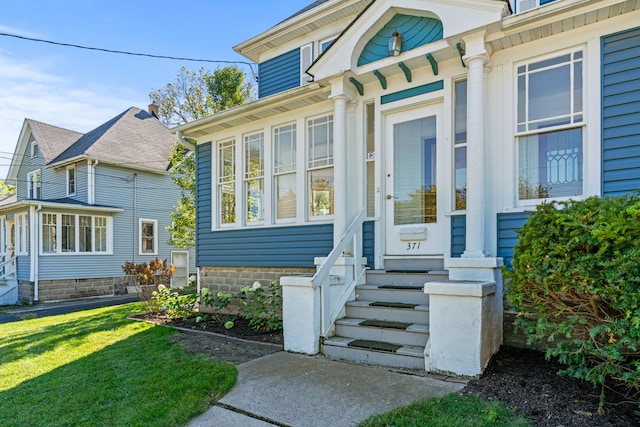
(434, 64)
(405, 70)
(381, 78)
(462, 52)
(359, 87)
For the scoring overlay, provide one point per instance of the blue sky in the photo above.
(80, 89)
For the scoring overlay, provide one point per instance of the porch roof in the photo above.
(64, 203)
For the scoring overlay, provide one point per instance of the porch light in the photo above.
(395, 44)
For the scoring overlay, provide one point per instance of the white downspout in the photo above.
(91, 182)
(35, 251)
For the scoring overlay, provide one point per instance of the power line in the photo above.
(122, 52)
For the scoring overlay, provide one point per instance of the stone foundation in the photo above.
(233, 279)
(69, 289)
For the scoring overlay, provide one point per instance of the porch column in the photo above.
(475, 59)
(340, 211)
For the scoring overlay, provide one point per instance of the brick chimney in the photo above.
(154, 111)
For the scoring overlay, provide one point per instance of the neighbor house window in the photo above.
(34, 149)
(21, 234)
(85, 233)
(71, 180)
(254, 176)
(73, 234)
(34, 184)
(227, 182)
(320, 165)
(68, 233)
(148, 237)
(49, 233)
(550, 127)
(284, 171)
(460, 144)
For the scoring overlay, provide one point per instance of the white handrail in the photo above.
(330, 314)
(6, 271)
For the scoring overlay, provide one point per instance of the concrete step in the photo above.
(379, 310)
(413, 264)
(413, 334)
(397, 356)
(398, 293)
(411, 278)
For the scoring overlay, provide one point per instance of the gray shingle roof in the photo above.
(52, 140)
(304, 9)
(134, 138)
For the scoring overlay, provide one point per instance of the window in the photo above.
(21, 234)
(34, 183)
(71, 180)
(549, 123)
(320, 165)
(148, 237)
(254, 176)
(460, 144)
(524, 5)
(324, 44)
(227, 182)
(284, 171)
(73, 234)
(34, 148)
(306, 59)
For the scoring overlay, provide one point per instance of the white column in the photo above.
(340, 211)
(475, 239)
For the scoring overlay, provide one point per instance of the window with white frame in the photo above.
(71, 180)
(306, 59)
(74, 234)
(320, 165)
(284, 171)
(21, 234)
(460, 144)
(254, 177)
(34, 185)
(34, 148)
(550, 127)
(227, 182)
(148, 236)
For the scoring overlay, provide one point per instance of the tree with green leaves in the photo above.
(6, 189)
(193, 95)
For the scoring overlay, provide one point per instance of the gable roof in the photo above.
(304, 9)
(51, 140)
(133, 138)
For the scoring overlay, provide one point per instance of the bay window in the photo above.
(550, 127)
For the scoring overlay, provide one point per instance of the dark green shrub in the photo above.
(576, 285)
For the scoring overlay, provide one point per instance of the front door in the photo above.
(414, 213)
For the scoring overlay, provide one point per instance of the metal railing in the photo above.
(330, 311)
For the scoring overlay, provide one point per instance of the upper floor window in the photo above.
(34, 183)
(71, 180)
(148, 236)
(306, 59)
(524, 5)
(549, 125)
(34, 148)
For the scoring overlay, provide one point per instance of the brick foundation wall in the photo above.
(59, 290)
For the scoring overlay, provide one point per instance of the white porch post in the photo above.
(340, 211)
(475, 59)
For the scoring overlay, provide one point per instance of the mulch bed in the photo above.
(520, 378)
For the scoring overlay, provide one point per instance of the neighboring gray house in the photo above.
(86, 204)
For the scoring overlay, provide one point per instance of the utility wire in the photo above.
(122, 52)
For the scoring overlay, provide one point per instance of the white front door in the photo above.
(414, 206)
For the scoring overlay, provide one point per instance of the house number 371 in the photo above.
(412, 246)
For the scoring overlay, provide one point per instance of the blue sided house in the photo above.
(393, 153)
(84, 205)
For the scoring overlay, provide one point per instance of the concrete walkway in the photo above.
(285, 389)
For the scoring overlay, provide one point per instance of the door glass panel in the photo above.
(415, 172)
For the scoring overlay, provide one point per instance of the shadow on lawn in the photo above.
(140, 380)
(42, 339)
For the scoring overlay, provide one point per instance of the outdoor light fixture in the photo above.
(395, 44)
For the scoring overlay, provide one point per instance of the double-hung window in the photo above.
(148, 236)
(320, 165)
(284, 171)
(227, 182)
(21, 231)
(71, 180)
(34, 185)
(74, 234)
(550, 120)
(254, 177)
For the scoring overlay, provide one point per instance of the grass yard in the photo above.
(98, 368)
(451, 410)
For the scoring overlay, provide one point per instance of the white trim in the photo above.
(34, 148)
(20, 229)
(154, 222)
(306, 59)
(187, 266)
(34, 181)
(76, 252)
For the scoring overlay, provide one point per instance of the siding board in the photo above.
(279, 74)
(368, 242)
(458, 235)
(508, 226)
(620, 117)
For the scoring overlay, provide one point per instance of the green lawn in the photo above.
(98, 368)
(452, 410)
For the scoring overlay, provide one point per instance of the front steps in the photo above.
(387, 324)
(8, 291)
